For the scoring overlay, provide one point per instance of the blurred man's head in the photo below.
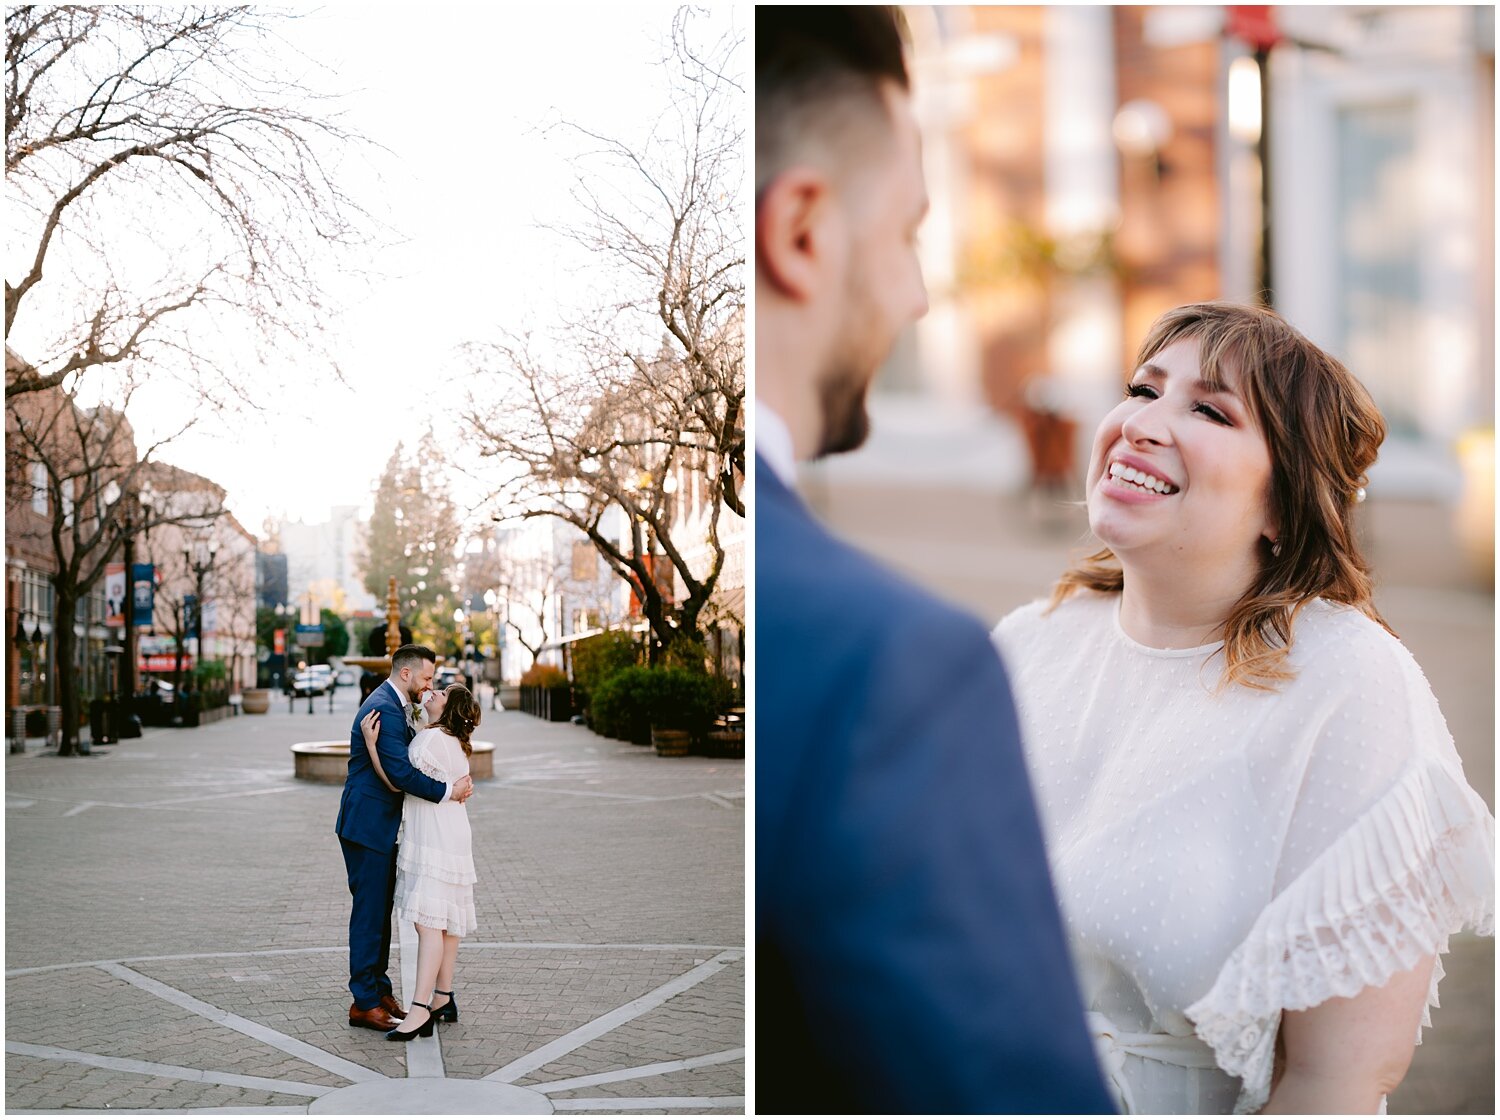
(839, 197)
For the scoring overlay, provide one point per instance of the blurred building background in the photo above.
(321, 558)
(1091, 167)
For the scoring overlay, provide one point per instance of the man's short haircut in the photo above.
(412, 655)
(817, 71)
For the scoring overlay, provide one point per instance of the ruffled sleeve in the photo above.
(1417, 867)
(423, 753)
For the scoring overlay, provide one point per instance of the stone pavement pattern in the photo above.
(176, 928)
(992, 554)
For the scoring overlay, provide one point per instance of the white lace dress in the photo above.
(435, 854)
(1220, 858)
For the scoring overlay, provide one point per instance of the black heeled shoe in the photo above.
(448, 1013)
(425, 1030)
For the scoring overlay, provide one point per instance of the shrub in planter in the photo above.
(544, 676)
(682, 700)
(599, 657)
(619, 705)
(546, 693)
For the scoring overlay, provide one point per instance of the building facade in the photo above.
(321, 557)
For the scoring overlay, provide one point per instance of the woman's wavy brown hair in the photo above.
(460, 716)
(1323, 432)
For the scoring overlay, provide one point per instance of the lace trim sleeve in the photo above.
(422, 755)
(1416, 868)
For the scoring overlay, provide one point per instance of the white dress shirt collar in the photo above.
(773, 443)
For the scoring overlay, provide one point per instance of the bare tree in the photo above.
(604, 436)
(169, 194)
(235, 611)
(668, 213)
(528, 582)
(72, 477)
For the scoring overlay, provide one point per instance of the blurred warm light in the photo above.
(1244, 100)
(1141, 128)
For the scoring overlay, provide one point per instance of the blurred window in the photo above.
(1379, 249)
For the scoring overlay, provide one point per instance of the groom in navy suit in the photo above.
(369, 817)
(909, 952)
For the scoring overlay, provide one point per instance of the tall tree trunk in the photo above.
(65, 646)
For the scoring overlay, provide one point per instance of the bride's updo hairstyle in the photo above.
(460, 715)
(1323, 431)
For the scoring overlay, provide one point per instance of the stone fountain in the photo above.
(328, 760)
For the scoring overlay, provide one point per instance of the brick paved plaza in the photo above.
(177, 916)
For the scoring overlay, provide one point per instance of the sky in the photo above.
(462, 96)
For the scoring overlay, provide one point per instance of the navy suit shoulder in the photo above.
(369, 812)
(909, 947)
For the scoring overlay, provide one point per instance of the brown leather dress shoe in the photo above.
(388, 1002)
(375, 1018)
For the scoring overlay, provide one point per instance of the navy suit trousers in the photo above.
(372, 882)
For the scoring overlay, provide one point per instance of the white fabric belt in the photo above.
(1113, 1045)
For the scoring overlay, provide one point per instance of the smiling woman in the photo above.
(1260, 830)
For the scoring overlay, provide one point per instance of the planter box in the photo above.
(671, 743)
(723, 744)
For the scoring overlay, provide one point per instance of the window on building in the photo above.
(1380, 244)
(39, 488)
(67, 501)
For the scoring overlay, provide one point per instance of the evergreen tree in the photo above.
(413, 533)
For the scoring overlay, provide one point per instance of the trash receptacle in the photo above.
(103, 723)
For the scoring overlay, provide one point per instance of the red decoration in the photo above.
(1254, 25)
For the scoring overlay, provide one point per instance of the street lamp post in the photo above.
(201, 566)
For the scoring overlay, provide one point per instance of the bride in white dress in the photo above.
(1260, 830)
(434, 857)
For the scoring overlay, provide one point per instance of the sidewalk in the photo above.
(992, 555)
(177, 915)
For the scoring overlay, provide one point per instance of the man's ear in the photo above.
(795, 221)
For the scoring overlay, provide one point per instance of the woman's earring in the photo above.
(1276, 548)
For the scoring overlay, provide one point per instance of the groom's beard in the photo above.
(848, 375)
(846, 424)
(862, 346)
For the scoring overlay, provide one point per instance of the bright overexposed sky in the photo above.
(462, 97)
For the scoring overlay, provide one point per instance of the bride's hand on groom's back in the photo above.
(370, 725)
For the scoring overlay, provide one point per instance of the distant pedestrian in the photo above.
(435, 865)
(1260, 829)
(910, 956)
(368, 821)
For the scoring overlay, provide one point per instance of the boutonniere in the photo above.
(413, 717)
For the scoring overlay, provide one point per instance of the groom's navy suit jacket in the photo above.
(369, 813)
(909, 951)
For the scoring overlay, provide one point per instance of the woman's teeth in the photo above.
(1140, 479)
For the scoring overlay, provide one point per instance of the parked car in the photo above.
(446, 675)
(344, 678)
(315, 680)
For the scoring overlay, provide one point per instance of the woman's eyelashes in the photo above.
(1150, 393)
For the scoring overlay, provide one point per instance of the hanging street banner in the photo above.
(143, 594)
(114, 595)
(190, 616)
